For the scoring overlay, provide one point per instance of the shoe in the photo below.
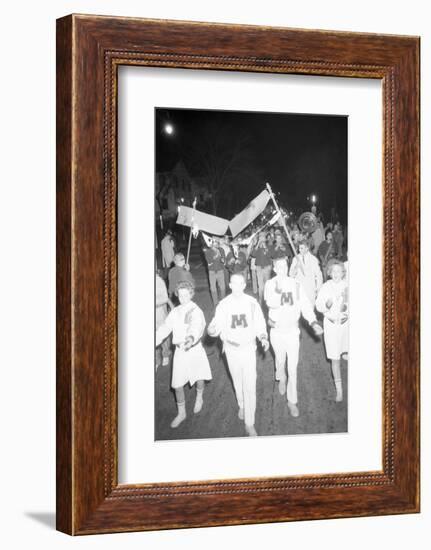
(251, 431)
(198, 403)
(293, 409)
(282, 386)
(241, 414)
(180, 416)
(165, 361)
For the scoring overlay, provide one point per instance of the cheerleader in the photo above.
(332, 301)
(190, 364)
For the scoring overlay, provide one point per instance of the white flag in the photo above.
(208, 240)
(250, 213)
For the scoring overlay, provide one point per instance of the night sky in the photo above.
(299, 155)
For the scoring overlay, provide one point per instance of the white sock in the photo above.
(338, 389)
(251, 430)
(199, 400)
(180, 416)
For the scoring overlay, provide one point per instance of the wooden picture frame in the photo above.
(89, 51)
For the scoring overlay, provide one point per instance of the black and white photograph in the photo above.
(251, 285)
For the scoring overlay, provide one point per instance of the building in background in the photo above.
(176, 187)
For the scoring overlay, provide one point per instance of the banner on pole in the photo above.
(208, 240)
(250, 213)
(205, 222)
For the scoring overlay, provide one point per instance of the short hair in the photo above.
(275, 261)
(178, 255)
(239, 274)
(332, 262)
(187, 285)
(327, 232)
(303, 239)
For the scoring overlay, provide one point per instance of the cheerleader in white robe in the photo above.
(332, 301)
(190, 364)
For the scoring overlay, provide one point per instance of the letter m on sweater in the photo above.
(239, 320)
(287, 298)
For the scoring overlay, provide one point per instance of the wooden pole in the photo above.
(191, 229)
(271, 194)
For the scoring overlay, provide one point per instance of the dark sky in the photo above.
(297, 154)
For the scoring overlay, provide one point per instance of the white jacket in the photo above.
(238, 320)
(287, 300)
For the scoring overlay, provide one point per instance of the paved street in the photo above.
(319, 413)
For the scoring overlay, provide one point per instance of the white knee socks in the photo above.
(338, 389)
(180, 416)
(199, 400)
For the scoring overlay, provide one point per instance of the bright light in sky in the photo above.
(313, 199)
(169, 129)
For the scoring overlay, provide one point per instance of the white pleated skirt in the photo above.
(190, 366)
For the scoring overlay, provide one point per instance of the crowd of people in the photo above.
(307, 281)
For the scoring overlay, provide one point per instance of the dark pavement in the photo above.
(318, 411)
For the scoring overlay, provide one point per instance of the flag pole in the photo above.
(191, 230)
(271, 194)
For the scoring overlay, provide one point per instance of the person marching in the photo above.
(280, 249)
(332, 301)
(225, 247)
(168, 249)
(190, 365)
(287, 300)
(239, 321)
(326, 251)
(178, 273)
(310, 275)
(162, 302)
(215, 260)
(236, 261)
(318, 235)
(338, 239)
(263, 263)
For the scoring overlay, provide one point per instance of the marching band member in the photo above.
(280, 249)
(225, 246)
(326, 251)
(262, 259)
(216, 261)
(236, 261)
(310, 275)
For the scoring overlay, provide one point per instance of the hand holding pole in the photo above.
(271, 194)
(191, 229)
